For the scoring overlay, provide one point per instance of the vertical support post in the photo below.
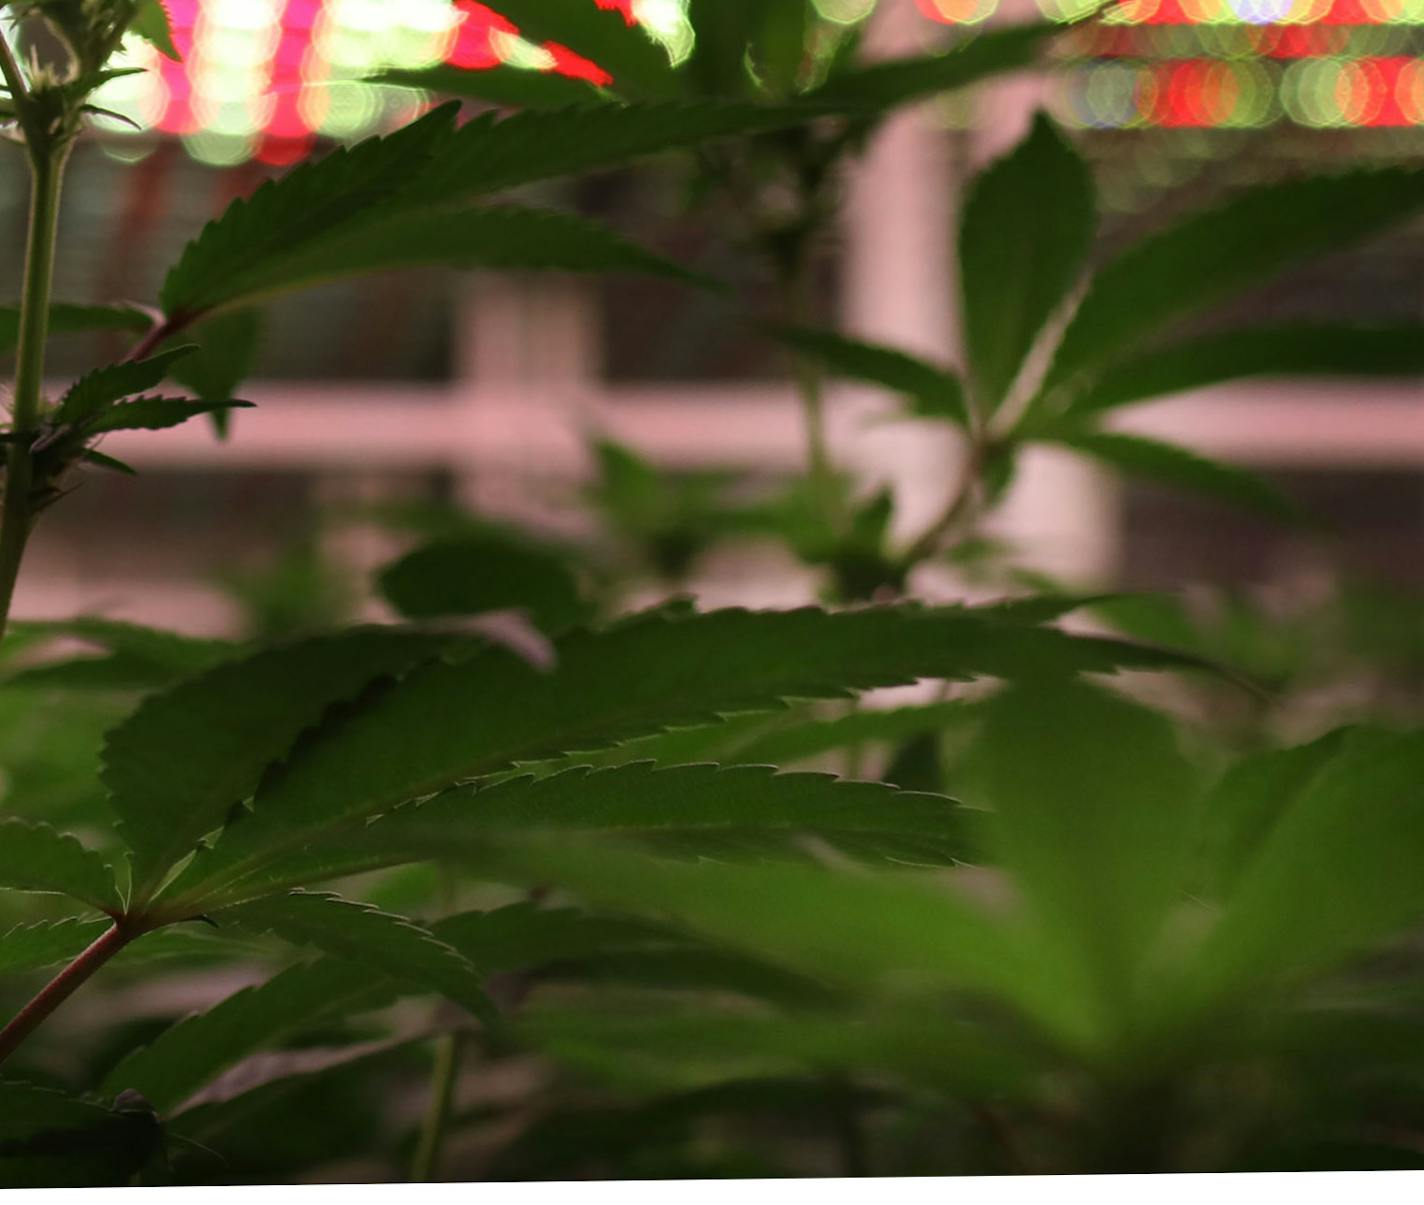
(898, 284)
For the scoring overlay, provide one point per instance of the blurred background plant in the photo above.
(1136, 943)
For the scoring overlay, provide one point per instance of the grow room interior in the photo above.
(484, 391)
(710, 589)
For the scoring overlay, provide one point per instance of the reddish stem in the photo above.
(157, 336)
(62, 986)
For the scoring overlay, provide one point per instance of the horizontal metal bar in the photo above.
(338, 427)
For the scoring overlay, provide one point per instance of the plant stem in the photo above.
(810, 386)
(64, 985)
(158, 335)
(47, 166)
(960, 510)
(425, 1166)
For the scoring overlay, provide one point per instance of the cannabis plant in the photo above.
(781, 195)
(383, 844)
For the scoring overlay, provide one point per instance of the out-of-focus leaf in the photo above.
(1181, 469)
(894, 82)
(696, 1048)
(1092, 811)
(503, 237)
(515, 87)
(933, 391)
(640, 67)
(474, 574)
(1336, 874)
(1212, 255)
(799, 740)
(226, 349)
(1249, 800)
(152, 23)
(37, 857)
(184, 1057)
(692, 811)
(73, 319)
(164, 650)
(780, 49)
(1302, 350)
(887, 934)
(50, 1140)
(364, 936)
(1019, 257)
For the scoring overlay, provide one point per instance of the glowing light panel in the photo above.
(267, 78)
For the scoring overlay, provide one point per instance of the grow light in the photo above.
(267, 78)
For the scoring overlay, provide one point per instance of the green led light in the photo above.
(219, 150)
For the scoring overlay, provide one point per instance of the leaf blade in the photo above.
(1216, 253)
(640, 67)
(231, 723)
(889, 84)
(157, 414)
(475, 574)
(364, 936)
(503, 237)
(1300, 350)
(1182, 469)
(935, 391)
(92, 394)
(38, 858)
(67, 318)
(452, 722)
(1018, 258)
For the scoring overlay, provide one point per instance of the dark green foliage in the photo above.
(931, 391)
(702, 810)
(226, 347)
(156, 414)
(503, 237)
(448, 721)
(92, 395)
(1304, 350)
(638, 65)
(402, 200)
(49, 1140)
(475, 574)
(230, 724)
(130, 656)
(1214, 254)
(515, 87)
(1019, 263)
(1153, 460)
(887, 85)
(47, 943)
(669, 519)
(283, 216)
(364, 936)
(1019, 257)
(1026, 924)
(190, 1053)
(34, 857)
(65, 319)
